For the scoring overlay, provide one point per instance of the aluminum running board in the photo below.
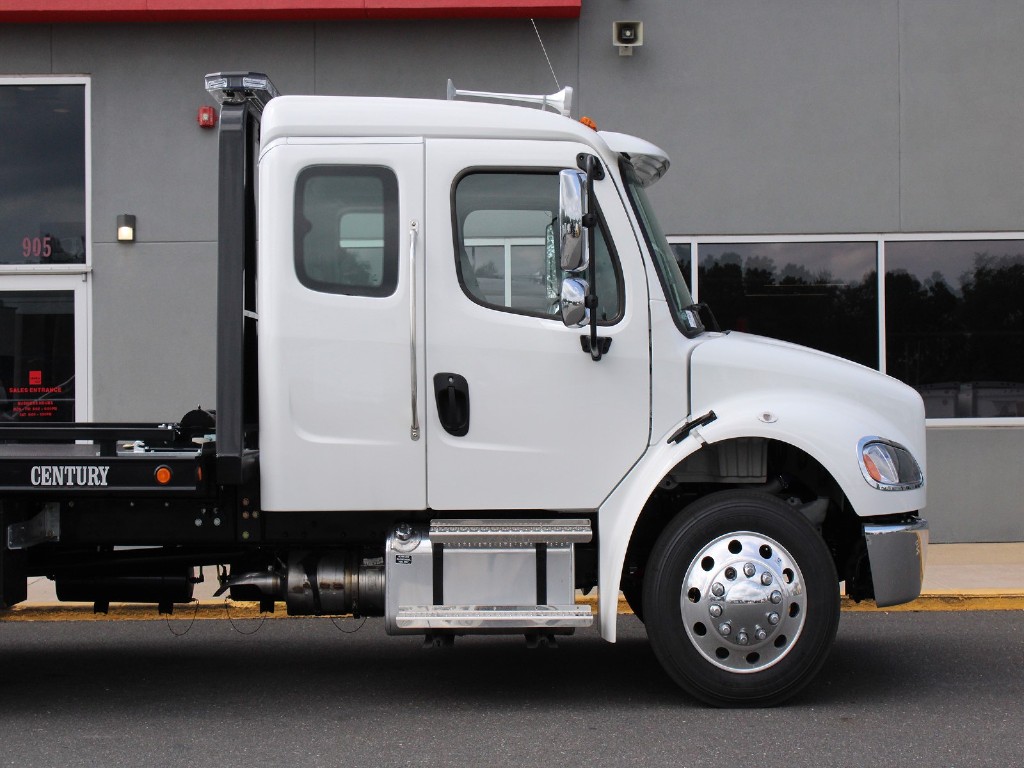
(499, 533)
(475, 618)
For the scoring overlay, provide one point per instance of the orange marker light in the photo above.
(163, 475)
(589, 123)
(872, 469)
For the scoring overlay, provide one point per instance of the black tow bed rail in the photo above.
(70, 470)
(101, 458)
(103, 434)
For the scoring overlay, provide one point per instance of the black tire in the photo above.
(633, 591)
(767, 573)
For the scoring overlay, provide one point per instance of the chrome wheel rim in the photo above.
(743, 602)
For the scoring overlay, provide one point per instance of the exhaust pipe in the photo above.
(318, 584)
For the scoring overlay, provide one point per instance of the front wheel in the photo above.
(741, 599)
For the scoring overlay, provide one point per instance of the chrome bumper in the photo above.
(897, 557)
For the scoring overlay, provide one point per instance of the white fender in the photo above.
(825, 424)
(618, 515)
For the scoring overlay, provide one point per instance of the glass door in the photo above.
(43, 349)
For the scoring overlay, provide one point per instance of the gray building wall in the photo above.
(975, 486)
(812, 116)
(779, 117)
(804, 116)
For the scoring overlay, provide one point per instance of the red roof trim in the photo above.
(84, 11)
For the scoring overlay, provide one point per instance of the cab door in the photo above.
(340, 307)
(520, 417)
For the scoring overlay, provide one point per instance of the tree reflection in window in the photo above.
(955, 324)
(821, 295)
(42, 173)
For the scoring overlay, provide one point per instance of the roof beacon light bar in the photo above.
(239, 87)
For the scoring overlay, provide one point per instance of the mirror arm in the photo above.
(593, 170)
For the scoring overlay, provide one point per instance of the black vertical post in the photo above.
(250, 369)
(593, 169)
(234, 224)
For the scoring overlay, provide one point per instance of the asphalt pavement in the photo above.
(899, 689)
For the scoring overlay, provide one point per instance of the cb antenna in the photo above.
(545, 50)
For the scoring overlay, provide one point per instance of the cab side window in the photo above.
(506, 243)
(346, 230)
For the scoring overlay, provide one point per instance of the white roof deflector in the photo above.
(650, 161)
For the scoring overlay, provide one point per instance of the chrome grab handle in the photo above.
(414, 433)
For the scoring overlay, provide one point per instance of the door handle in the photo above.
(414, 431)
(451, 391)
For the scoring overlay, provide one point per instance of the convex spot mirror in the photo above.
(572, 203)
(573, 302)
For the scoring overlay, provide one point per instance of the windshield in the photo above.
(681, 304)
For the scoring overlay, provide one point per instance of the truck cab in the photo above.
(461, 377)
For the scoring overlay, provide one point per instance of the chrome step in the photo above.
(498, 533)
(477, 617)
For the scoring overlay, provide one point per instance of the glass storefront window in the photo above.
(822, 295)
(42, 174)
(955, 324)
(37, 356)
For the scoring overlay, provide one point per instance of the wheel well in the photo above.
(755, 464)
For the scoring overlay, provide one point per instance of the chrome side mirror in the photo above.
(552, 274)
(572, 199)
(573, 302)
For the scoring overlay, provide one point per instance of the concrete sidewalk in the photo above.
(967, 567)
(957, 577)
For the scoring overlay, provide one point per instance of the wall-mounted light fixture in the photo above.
(627, 35)
(125, 228)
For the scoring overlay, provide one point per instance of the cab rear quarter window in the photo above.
(346, 230)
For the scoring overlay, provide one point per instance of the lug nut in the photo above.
(773, 618)
(742, 638)
(730, 573)
(776, 597)
(725, 629)
(715, 610)
(761, 635)
(717, 589)
(749, 570)
(766, 578)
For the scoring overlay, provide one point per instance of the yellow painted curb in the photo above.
(203, 609)
(967, 600)
(974, 600)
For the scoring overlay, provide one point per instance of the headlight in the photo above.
(888, 466)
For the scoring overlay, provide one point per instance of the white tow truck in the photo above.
(461, 380)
